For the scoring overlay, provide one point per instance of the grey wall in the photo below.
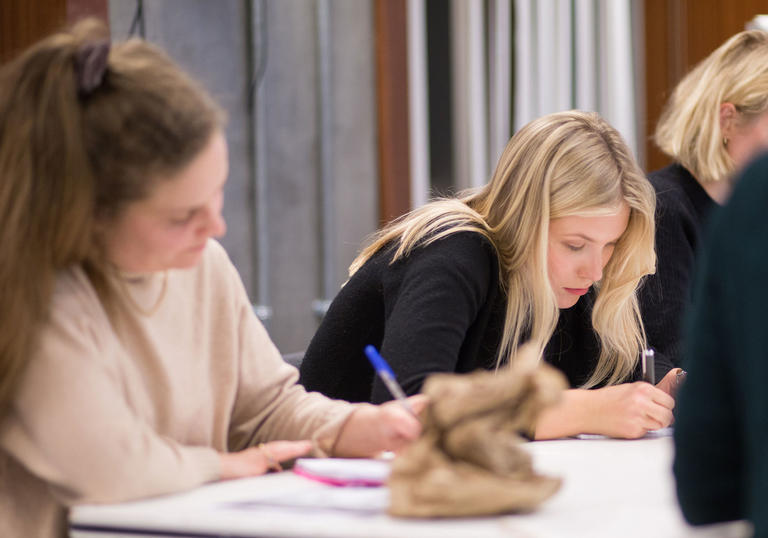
(209, 39)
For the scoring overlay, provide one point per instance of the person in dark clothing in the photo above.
(721, 431)
(714, 123)
(566, 222)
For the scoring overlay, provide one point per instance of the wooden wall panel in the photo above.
(392, 108)
(22, 22)
(679, 34)
(660, 68)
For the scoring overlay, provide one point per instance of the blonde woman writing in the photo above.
(131, 363)
(562, 233)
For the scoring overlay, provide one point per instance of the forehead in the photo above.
(604, 227)
(194, 184)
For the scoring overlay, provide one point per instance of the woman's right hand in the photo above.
(260, 459)
(630, 410)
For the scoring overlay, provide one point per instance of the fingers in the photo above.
(659, 417)
(670, 382)
(662, 398)
(418, 403)
(285, 450)
(402, 425)
(657, 406)
(635, 408)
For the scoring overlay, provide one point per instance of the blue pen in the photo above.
(387, 376)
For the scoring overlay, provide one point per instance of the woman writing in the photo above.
(131, 363)
(562, 233)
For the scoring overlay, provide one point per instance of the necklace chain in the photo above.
(144, 311)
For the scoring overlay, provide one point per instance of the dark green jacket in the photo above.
(721, 431)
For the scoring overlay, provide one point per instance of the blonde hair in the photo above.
(564, 164)
(69, 158)
(689, 126)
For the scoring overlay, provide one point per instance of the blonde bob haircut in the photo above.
(564, 164)
(689, 126)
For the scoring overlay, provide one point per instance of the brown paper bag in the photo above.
(468, 461)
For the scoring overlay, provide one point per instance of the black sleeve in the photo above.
(441, 291)
(663, 297)
(708, 442)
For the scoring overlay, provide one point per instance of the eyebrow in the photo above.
(589, 239)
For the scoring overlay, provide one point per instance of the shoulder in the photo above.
(464, 260)
(77, 324)
(680, 198)
(456, 248)
(462, 254)
(675, 185)
(669, 182)
(460, 246)
(74, 298)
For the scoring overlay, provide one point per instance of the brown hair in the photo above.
(68, 158)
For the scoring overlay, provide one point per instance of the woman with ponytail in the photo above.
(131, 363)
(551, 250)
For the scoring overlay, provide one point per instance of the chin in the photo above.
(187, 261)
(564, 303)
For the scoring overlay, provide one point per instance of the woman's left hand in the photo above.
(671, 381)
(374, 428)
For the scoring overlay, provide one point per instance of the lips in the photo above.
(577, 291)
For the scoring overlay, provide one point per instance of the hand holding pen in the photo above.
(387, 377)
(390, 426)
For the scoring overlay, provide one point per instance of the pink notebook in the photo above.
(343, 471)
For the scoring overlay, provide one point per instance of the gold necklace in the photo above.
(141, 310)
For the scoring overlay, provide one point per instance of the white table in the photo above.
(611, 488)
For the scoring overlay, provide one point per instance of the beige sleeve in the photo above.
(71, 426)
(270, 404)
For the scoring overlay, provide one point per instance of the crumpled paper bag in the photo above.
(468, 460)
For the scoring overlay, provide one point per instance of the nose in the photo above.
(218, 225)
(214, 224)
(593, 267)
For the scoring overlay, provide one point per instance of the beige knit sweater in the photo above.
(108, 415)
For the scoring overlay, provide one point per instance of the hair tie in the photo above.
(90, 65)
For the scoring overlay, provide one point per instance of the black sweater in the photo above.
(682, 208)
(721, 428)
(440, 309)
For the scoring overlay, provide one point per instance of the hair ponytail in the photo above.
(46, 192)
(84, 130)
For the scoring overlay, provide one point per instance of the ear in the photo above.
(728, 117)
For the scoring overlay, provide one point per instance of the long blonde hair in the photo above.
(689, 126)
(564, 164)
(68, 159)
